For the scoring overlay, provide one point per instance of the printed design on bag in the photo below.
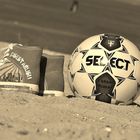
(13, 67)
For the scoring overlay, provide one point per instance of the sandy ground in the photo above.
(29, 117)
(51, 25)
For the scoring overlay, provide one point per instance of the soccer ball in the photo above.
(105, 67)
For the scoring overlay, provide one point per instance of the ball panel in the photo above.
(83, 84)
(76, 63)
(105, 81)
(88, 43)
(137, 71)
(121, 64)
(110, 42)
(94, 61)
(131, 47)
(127, 91)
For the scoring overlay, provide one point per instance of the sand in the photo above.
(25, 116)
(29, 117)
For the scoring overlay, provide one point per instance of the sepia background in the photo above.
(52, 25)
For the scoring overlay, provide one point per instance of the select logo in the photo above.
(118, 63)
